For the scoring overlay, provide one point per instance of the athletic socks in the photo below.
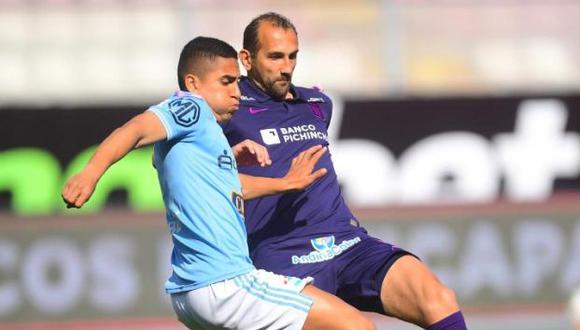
(454, 321)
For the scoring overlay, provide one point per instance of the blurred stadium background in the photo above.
(456, 135)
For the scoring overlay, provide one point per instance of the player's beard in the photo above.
(274, 89)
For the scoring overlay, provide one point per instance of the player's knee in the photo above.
(359, 323)
(440, 299)
(340, 321)
(367, 325)
(446, 297)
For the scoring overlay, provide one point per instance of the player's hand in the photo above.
(79, 188)
(300, 174)
(249, 152)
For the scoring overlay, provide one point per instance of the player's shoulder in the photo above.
(320, 104)
(180, 103)
(185, 108)
(180, 100)
(313, 94)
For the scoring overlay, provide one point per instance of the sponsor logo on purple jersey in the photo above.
(294, 133)
(324, 249)
(254, 111)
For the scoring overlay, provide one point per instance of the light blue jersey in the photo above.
(202, 195)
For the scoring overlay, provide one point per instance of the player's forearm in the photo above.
(254, 187)
(141, 130)
(114, 147)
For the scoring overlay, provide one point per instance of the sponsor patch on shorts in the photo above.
(324, 249)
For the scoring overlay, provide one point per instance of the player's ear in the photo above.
(246, 59)
(191, 82)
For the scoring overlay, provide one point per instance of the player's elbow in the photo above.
(136, 130)
(247, 190)
(248, 193)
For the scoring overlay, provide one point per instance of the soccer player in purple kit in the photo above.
(313, 232)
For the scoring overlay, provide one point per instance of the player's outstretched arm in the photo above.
(141, 130)
(299, 176)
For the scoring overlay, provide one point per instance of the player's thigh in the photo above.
(256, 300)
(331, 313)
(411, 291)
(189, 313)
(362, 270)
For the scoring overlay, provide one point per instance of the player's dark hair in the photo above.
(201, 48)
(251, 41)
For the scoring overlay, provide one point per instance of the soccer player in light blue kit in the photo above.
(214, 284)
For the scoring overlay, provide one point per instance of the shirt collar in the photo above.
(181, 93)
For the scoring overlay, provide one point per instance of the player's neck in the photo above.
(289, 95)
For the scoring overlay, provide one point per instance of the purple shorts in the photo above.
(351, 265)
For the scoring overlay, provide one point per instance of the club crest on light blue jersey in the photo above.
(185, 111)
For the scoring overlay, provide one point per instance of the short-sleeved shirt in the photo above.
(287, 128)
(202, 195)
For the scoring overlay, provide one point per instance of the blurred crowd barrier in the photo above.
(118, 51)
(509, 263)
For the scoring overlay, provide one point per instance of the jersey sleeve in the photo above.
(327, 109)
(180, 116)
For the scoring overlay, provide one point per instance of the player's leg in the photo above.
(330, 312)
(264, 300)
(378, 277)
(411, 292)
(188, 313)
(327, 311)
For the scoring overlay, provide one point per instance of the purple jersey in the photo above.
(287, 128)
